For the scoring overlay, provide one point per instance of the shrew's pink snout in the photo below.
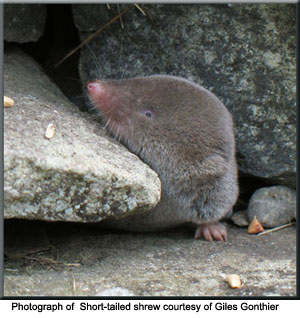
(101, 94)
(95, 89)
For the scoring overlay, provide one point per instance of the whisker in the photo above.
(107, 113)
(96, 115)
(74, 79)
(120, 138)
(107, 123)
(98, 64)
(79, 97)
(118, 130)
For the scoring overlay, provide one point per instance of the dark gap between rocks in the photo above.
(247, 186)
(59, 38)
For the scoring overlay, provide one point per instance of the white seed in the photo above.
(50, 131)
(234, 280)
(8, 102)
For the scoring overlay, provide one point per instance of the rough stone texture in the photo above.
(72, 260)
(115, 291)
(273, 206)
(24, 22)
(245, 54)
(79, 175)
(95, 14)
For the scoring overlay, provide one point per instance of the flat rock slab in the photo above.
(78, 175)
(47, 259)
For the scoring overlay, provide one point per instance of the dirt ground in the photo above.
(68, 259)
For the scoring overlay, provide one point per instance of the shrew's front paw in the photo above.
(211, 231)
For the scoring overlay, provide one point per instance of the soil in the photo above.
(71, 259)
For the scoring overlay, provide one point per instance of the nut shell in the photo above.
(255, 227)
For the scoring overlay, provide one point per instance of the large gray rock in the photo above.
(78, 175)
(24, 22)
(245, 54)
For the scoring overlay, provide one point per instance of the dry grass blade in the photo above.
(275, 229)
(143, 12)
(121, 21)
(73, 264)
(91, 36)
(42, 260)
(27, 254)
(74, 285)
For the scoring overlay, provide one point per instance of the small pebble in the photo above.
(240, 218)
(273, 206)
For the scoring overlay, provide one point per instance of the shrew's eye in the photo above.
(148, 113)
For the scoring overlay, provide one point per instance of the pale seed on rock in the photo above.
(50, 131)
(8, 102)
